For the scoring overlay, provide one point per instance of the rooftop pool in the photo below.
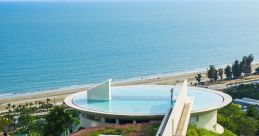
(146, 100)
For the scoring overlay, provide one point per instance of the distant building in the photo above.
(246, 102)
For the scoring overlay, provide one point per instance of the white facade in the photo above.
(176, 120)
(202, 118)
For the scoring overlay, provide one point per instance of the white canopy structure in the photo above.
(101, 91)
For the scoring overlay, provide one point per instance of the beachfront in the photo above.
(59, 96)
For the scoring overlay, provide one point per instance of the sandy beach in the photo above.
(58, 96)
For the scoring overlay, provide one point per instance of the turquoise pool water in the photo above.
(146, 100)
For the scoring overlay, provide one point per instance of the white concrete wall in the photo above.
(174, 117)
(187, 119)
(208, 120)
(100, 92)
(178, 107)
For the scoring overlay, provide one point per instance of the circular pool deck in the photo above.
(147, 100)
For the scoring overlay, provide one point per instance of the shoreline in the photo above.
(118, 82)
(58, 95)
(123, 81)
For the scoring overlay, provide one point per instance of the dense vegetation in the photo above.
(244, 90)
(239, 122)
(237, 70)
(193, 131)
(39, 118)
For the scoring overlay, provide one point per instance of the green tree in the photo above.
(198, 78)
(236, 69)
(192, 131)
(230, 116)
(25, 122)
(250, 59)
(248, 126)
(228, 72)
(220, 71)
(212, 73)
(243, 90)
(237, 121)
(57, 121)
(4, 123)
(13, 106)
(228, 133)
(257, 70)
(8, 107)
(253, 111)
(48, 100)
(245, 64)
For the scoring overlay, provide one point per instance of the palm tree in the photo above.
(26, 105)
(8, 107)
(19, 108)
(48, 100)
(14, 106)
(31, 104)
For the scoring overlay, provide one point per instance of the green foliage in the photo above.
(25, 122)
(253, 111)
(220, 71)
(212, 73)
(204, 132)
(228, 72)
(245, 64)
(31, 118)
(247, 126)
(198, 78)
(236, 69)
(234, 119)
(194, 131)
(111, 131)
(57, 122)
(150, 130)
(4, 122)
(243, 90)
(228, 133)
(73, 113)
(257, 70)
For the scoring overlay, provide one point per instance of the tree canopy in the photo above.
(198, 78)
(212, 73)
(57, 122)
(220, 71)
(243, 90)
(234, 119)
(257, 70)
(236, 69)
(245, 64)
(228, 72)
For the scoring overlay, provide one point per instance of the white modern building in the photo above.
(106, 104)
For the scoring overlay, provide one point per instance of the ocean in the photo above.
(51, 45)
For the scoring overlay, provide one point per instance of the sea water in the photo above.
(51, 45)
